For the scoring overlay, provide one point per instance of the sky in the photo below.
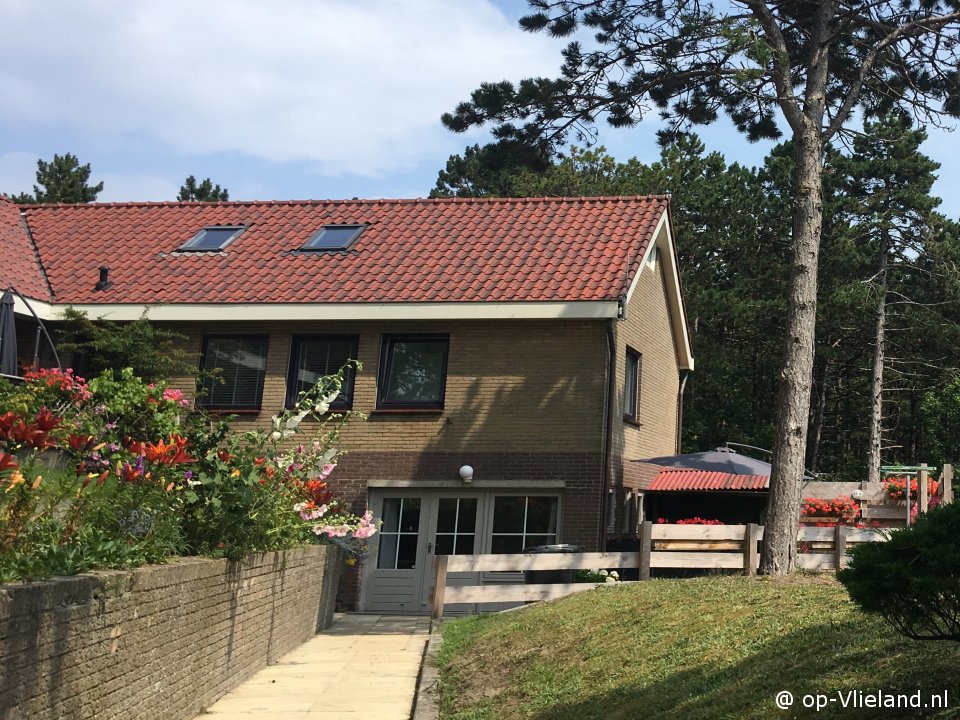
(287, 99)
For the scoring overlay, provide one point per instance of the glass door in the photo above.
(398, 563)
(454, 526)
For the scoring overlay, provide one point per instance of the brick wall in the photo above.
(648, 329)
(519, 385)
(156, 642)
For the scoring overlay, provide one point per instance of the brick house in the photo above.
(542, 342)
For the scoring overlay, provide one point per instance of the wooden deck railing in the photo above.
(731, 547)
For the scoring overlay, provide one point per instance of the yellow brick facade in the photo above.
(516, 386)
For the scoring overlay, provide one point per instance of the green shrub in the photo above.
(912, 579)
(119, 472)
(152, 353)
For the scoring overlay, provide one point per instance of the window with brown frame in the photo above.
(233, 367)
(413, 372)
(631, 386)
(315, 356)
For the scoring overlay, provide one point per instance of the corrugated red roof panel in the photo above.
(455, 250)
(674, 479)
(19, 267)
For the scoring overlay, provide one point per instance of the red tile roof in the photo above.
(674, 479)
(18, 260)
(580, 249)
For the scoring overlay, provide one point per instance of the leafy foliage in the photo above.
(489, 170)
(120, 473)
(813, 63)
(912, 579)
(205, 191)
(62, 180)
(151, 352)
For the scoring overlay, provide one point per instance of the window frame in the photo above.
(292, 390)
(203, 402)
(491, 534)
(632, 356)
(386, 363)
(358, 231)
(191, 244)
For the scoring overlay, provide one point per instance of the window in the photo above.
(522, 522)
(631, 386)
(611, 510)
(314, 356)
(652, 257)
(413, 371)
(456, 526)
(233, 368)
(213, 237)
(398, 534)
(334, 237)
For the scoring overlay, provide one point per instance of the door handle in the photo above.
(429, 547)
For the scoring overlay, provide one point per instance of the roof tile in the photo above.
(19, 267)
(458, 250)
(671, 479)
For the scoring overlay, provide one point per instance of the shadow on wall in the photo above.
(509, 428)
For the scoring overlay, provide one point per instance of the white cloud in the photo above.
(353, 87)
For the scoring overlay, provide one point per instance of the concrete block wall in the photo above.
(161, 642)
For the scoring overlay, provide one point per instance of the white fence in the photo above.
(731, 547)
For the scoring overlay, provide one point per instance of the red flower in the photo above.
(130, 473)
(167, 453)
(79, 443)
(318, 492)
(7, 462)
(46, 420)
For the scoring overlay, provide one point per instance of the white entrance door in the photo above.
(419, 524)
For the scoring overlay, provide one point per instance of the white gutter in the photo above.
(168, 312)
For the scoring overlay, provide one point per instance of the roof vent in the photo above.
(104, 282)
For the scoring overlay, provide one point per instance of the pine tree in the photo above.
(62, 180)
(206, 191)
(815, 63)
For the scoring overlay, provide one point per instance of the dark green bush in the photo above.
(912, 579)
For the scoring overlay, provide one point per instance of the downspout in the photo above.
(608, 430)
(684, 374)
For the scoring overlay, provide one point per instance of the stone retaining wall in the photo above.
(158, 642)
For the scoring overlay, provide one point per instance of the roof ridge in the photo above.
(356, 201)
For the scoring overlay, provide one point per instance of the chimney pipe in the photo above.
(104, 282)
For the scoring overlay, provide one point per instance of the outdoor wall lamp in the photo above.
(466, 473)
(857, 494)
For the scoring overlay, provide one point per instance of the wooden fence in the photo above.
(729, 547)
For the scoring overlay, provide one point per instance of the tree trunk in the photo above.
(816, 419)
(793, 402)
(876, 382)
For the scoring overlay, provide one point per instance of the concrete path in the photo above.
(364, 666)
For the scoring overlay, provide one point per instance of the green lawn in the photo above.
(716, 647)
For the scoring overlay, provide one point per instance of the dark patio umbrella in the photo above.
(8, 336)
(720, 460)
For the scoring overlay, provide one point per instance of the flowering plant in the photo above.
(116, 472)
(895, 488)
(690, 521)
(844, 508)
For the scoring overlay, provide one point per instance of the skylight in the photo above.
(213, 237)
(334, 237)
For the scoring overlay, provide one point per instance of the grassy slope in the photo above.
(707, 648)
